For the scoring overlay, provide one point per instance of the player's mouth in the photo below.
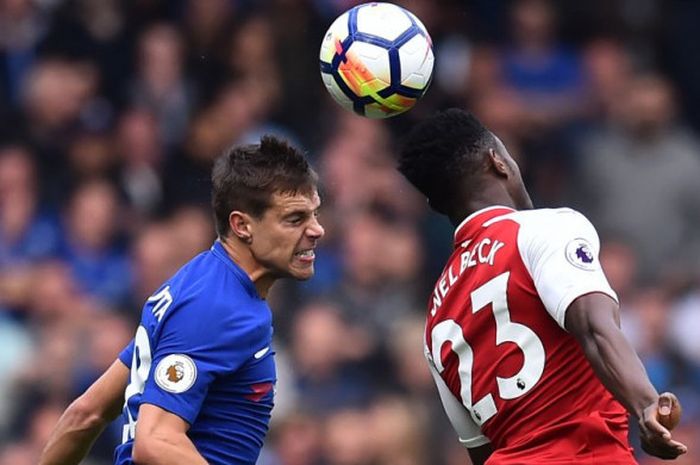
(305, 255)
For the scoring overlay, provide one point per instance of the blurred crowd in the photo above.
(111, 112)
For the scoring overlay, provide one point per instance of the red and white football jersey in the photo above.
(507, 371)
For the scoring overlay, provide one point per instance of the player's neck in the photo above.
(262, 279)
(486, 197)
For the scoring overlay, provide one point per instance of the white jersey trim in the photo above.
(467, 430)
(478, 212)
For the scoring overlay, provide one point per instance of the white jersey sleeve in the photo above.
(468, 431)
(560, 248)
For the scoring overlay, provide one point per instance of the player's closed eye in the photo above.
(296, 220)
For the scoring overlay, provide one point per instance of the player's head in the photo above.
(265, 199)
(455, 161)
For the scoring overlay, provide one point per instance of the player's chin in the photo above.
(302, 273)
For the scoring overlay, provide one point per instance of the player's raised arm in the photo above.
(567, 273)
(86, 417)
(594, 320)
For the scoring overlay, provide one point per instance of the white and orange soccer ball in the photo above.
(377, 60)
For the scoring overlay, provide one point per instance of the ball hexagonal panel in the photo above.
(417, 62)
(366, 70)
(382, 20)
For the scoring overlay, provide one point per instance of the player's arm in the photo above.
(479, 455)
(560, 250)
(595, 322)
(161, 439)
(86, 417)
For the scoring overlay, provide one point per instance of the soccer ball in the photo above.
(377, 60)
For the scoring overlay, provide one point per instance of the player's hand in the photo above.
(656, 439)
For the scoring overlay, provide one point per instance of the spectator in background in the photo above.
(17, 343)
(640, 179)
(252, 61)
(360, 149)
(324, 348)
(379, 285)
(56, 296)
(28, 234)
(141, 156)
(192, 230)
(296, 35)
(296, 440)
(90, 154)
(22, 28)
(397, 431)
(347, 439)
(98, 30)
(20, 453)
(546, 76)
(91, 243)
(405, 346)
(24, 452)
(161, 247)
(252, 54)
(608, 69)
(233, 117)
(644, 319)
(27, 231)
(206, 24)
(105, 335)
(160, 84)
(57, 92)
(416, 388)
(48, 377)
(684, 320)
(154, 257)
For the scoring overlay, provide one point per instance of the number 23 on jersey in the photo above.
(494, 294)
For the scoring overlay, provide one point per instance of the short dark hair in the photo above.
(245, 178)
(443, 154)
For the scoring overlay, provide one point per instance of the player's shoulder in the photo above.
(543, 229)
(545, 221)
(205, 277)
(540, 215)
(205, 289)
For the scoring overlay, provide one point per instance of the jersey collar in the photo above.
(476, 219)
(218, 250)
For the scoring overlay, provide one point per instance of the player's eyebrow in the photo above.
(301, 212)
(297, 212)
(290, 210)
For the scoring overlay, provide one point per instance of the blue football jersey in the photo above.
(203, 352)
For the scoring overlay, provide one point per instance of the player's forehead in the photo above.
(286, 202)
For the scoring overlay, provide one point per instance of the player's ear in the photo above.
(497, 164)
(239, 223)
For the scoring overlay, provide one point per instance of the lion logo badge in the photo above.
(176, 373)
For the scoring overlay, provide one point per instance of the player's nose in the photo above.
(315, 230)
